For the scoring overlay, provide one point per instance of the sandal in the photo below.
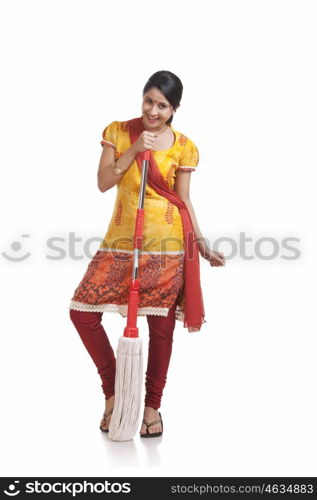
(153, 434)
(105, 417)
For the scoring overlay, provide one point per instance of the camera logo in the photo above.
(13, 491)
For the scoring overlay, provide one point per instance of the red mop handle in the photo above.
(138, 231)
(146, 154)
(131, 329)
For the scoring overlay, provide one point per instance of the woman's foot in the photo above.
(150, 415)
(105, 421)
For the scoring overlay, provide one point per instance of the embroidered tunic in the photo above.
(105, 285)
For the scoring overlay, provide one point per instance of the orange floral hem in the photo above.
(105, 285)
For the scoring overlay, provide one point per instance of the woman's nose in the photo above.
(153, 110)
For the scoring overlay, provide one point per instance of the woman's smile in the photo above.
(153, 123)
(152, 119)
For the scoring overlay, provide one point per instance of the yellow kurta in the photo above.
(105, 285)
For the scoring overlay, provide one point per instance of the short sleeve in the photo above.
(110, 135)
(189, 158)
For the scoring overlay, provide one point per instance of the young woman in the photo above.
(169, 261)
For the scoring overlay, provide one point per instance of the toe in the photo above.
(157, 428)
(143, 429)
(104, 423)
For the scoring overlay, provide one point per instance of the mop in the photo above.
(129, 364)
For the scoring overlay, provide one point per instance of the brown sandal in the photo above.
(105, 417)
(153, 434)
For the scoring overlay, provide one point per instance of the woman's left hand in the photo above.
(215, 258)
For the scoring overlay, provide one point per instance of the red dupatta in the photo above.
(193, 303)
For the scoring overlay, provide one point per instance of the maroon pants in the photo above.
(95, 339)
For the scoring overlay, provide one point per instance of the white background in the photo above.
(240, 394)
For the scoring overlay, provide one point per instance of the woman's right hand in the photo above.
(145, 141)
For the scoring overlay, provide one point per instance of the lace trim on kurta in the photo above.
(121, 309)
(107, 143)
(188, 169)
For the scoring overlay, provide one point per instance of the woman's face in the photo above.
(156, 109)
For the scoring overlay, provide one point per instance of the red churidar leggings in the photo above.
(95, 339)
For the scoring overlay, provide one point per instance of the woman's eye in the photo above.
(148, 100)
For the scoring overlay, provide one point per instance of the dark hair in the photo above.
(170, 86)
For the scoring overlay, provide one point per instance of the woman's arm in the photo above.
(106, 177)
(182, 187)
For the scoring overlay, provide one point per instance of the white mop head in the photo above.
(128, 388)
